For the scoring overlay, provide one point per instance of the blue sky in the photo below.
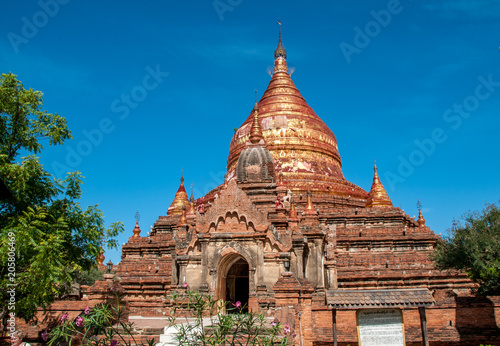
(150, 88)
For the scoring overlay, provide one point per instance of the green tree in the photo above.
(474, 246)
(46, 237)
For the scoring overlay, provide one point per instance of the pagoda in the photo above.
(289, 235)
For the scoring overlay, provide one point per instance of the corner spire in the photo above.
(309, 209)
(421, 220)
(378, 196)
(256, 131)
(180, 200)
(192, 211)
(137, 229)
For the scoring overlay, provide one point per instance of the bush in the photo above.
(227, 324)
(105, 324)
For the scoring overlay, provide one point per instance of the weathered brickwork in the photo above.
(285, 233)
(288, 235)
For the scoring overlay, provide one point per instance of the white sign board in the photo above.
(378, 327)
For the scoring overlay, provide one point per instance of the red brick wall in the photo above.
(474, 320)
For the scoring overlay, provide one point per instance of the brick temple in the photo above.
(288, 235)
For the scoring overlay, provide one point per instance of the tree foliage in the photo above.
(474, 246)
(45, 234)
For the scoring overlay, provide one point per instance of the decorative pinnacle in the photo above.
(191, 212)
(378, 196)
(256, 105)
(256, 131)
(280, 50)
(309, 209)
(180, 200)
(183, 219)
(136, 230)
(137, 216)
(421, 220)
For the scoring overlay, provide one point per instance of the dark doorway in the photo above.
(237, 284)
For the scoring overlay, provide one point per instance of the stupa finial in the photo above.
(256, 104)
(377, 196)
(280, 50)
(137, 229)
(256, 131)
(180, 199)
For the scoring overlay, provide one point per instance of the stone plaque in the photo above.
(380, 327)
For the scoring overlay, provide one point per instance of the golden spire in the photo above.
(378, 196)
(136, 229)
(280, 54)
(280, 50)
(191, 212)
(421, 220)
(309, 209)
(180, 200)
(256, 131)
(100, 258)
(183, 219)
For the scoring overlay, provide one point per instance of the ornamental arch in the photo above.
(233, 281)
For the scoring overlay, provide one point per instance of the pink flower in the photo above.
(185, 284)
(287, 329)
(64, 317)
(87, 310)
(273, 324)
(238, 304)
(44, 335)
(294, 335)
(79, 321)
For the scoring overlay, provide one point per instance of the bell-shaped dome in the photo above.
(255, 164)
(303, 147)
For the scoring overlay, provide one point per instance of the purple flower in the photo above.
(87, 310)
(238, 304)
(113, 343)
(64, 317)
(294, 335)
(79, 321)
(44, 335)
(287, 329)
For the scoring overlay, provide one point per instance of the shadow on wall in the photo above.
(476, 321)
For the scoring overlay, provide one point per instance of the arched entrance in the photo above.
(234, 281)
